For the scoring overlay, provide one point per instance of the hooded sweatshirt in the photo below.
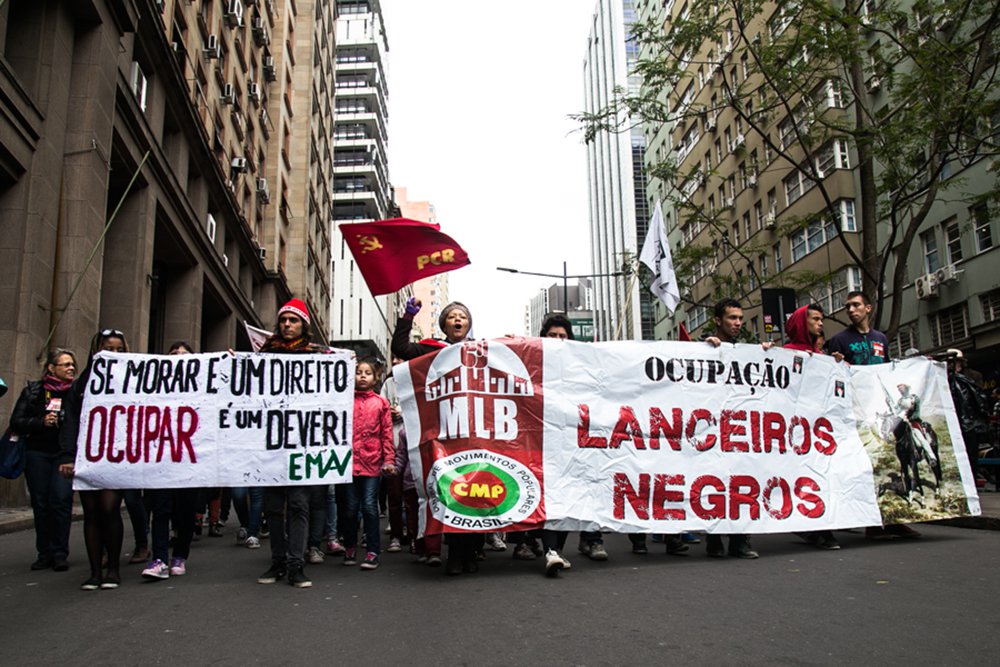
(373, 447)
(797, 329)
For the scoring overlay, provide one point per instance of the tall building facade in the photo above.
(361, 188)
(133, 140)
(752, 200)
(619, 212)
(576, 304)
(433, 291)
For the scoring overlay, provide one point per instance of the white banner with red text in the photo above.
(215, 420)
(659, 437)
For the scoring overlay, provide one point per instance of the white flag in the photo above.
(656, 255)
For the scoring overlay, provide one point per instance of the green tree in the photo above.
(909, 86)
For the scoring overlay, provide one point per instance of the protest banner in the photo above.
(210, 420)
(662, 437)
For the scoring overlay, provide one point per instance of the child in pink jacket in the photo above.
(373, 455)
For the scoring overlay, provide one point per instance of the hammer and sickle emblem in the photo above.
(369, 243)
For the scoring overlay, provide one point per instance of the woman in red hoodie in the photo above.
(805, 332)
(373, 454)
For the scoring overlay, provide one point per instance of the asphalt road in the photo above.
(933, 600)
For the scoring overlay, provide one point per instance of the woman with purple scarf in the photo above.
(38, 417)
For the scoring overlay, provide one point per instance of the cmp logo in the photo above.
(481, 490)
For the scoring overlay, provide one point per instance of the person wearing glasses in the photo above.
(103, 530)
(38, 417)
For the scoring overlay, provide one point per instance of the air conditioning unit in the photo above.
(262, 190)
(239, 164)
(269, 72)
(926, 286)
(159, 4)
(234, 14)
(259, 29)
(947, 274)
(769, 221)
(873, 84)
(738, 140)
(213, 50)
(228, 94)
(210, 227)
(253, 89)
(730, 202)
(262, 253)
(752, 180)
(711, 123)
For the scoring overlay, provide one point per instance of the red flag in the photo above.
(394, 253)
(682, 333)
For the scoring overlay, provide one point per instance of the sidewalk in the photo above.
(13, 519)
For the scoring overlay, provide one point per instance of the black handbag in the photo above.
(11, 455)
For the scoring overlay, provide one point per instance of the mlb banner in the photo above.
(659, 437)
(208, 420)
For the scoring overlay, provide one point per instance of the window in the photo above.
(786, 132)
(831, 296)
(981, 220)
(687, 143)
(762, 261)
(949, 325)
(735, 238)
(832, 156)
(847, 220)
(829, 95)
(905, 339)
(758, 214)
(953, 241)
(697, 317)
(990, 301)
(776, 251)
(796, 185)
(928, 241)
(747, 225)
(810, 238)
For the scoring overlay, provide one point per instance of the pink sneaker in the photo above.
(334, 548)
(178, 567)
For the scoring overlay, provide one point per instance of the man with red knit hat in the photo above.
(288, 554)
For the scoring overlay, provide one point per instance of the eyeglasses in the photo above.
(112, 332)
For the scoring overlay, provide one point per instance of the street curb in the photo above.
(26, 521)
(974, 522)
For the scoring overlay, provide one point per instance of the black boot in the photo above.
(714, 547)
(739, 547)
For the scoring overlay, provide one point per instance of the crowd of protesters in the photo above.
(308, 524)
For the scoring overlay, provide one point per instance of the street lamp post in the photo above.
(565, 278)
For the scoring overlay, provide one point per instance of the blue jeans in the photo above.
(331, 512)
(363, 494)
(249, 515)
(51, 503)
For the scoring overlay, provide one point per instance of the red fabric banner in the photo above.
(394, 253)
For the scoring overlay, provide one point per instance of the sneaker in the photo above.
(241, 535)
(675, 545)
(298, 578)
(334, 548)
(314, 556)
(60, 564)
(274, 573)
(566, 564)
(523, 552)
(363, 542)
(878, 533)
(741, 548)
(91, 584)
(215, 530)
(827, 543)
(902, 530)
(156, 569)
(433, 560)
(370, 562)
(139, 555)
(690, 538)
(596, 551)
(350, 556)
(714, 547)
(553, 563)
(264, 531)
(422, 559)
(639, 548)
(394, 546)
(494, 543)
(178, 567)
(43, 563)
(111, 581)
(536, 547)
(252, 543)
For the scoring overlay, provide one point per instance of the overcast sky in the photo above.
(479, 99)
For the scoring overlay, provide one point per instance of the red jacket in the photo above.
(798, 333)
(373, 448)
